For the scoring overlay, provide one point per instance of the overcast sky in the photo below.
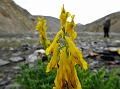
(85, 11)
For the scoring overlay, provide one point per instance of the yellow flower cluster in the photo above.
(65, 55)
(63, 16)
(76, 54)
(69, 28)
(66, 77)
(41, 28)
(118, 51)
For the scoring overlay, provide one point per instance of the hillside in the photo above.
(97, 26)
(14, 19)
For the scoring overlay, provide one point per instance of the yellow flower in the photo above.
(69, 28)
(59, 80)
(41, 28)
(73, 82)
(54, 60)
(65, 55)
(70, 25)
(118, 51)
(63, 71)
(63, 16)
(76, 54)
(50, 49)
(66, 75)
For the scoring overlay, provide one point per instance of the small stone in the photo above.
(111, 62)
(11, 49)
(117, 41)
(2, 62)
(16, 59)
(94, 63)
(16, 68)
(28, 38)
(31, 58)
(94, 70)
(117, 62)
(113, 49)
(92, 54)
(16, 54)
(38, 54)
(42, 51)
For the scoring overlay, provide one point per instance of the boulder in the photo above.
(3, 62)
(16, 59)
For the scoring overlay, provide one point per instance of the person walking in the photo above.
(106, 27)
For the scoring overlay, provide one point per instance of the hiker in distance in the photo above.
(106, 27)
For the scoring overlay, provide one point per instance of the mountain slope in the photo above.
(14, 19)
(97, 26)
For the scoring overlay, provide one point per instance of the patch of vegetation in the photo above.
(99, 79)
(36, 78)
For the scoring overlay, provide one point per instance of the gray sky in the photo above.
(85, 11)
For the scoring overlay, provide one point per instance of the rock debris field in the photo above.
(97, 50)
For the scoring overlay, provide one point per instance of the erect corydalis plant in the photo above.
(41, 28)
(65, 55)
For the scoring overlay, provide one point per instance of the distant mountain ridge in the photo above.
(16, 20)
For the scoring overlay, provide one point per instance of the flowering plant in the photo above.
(65, 55)
(41, 28)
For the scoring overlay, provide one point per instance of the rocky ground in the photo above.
(98, 51)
